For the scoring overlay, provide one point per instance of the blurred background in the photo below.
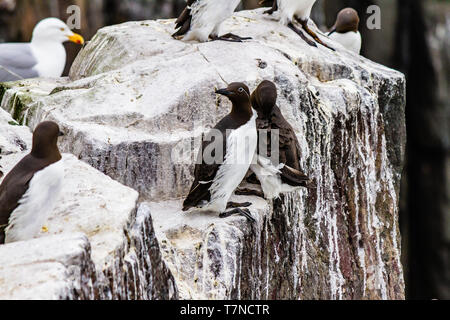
(414, 38)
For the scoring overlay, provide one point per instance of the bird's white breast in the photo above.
(208, 16)
(288, 9)
(51, 57)
(270, 178)
(241, 148)
(350, 40)
(36, 204)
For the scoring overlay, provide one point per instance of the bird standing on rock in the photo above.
(232, 143)
(30, 191)
(345, 30)
(299, 10)
(201, 20)
(44, 56)
(286, 174)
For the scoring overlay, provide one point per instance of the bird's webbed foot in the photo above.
(230, 38)
(300, 33)
(249, 192)
(314, 35)
(238, 205)
(245, 212)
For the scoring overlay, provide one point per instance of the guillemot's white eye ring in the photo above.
(241, 89)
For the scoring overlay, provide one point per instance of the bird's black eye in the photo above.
(241, 90)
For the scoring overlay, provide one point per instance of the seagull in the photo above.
(44, 56)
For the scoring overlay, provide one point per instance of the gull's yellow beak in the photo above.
(76, 38)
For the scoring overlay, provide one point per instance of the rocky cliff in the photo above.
(98, 243)
(134, 107)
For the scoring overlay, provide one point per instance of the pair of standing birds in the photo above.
(30, 191)
(201, 20)
(243, 137)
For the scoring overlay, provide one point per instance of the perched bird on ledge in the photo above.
(345, 30)
(299, 10)
(235, 137)
(44, 56)
(286, 174)
(31, 189)
(201, 20)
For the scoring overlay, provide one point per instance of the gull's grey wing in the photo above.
(17, 62)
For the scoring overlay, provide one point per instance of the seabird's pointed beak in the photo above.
(224, 92)
(76, 38)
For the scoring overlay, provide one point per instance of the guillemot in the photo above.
(44, 56)
(201, 20)
(345, 30)
(299, 10)
(278, 171)
(30, 191)
(231, 145)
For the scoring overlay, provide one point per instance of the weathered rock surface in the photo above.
(136, 95)
(13, 137)
(119, 255)
(56, 267)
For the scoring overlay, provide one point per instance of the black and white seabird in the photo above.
(345, 30)
(44, 56)
(235, 137)
(30, 191)
(299, 10)
(286, 175)
(201, 20)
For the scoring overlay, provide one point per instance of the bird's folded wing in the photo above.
(17, 62)
(204, 176)
(183, 22)
(270, 3)
(14, 186)
(266, 3)
(2, 233)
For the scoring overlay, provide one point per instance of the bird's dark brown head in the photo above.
(45, 139)
(264, 98)
(239, 95)
(237, 92)
(347, 21)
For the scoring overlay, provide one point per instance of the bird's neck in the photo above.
(265, 113)
(39, 39)
(51, 58)
(242, 110)
(50, 152)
